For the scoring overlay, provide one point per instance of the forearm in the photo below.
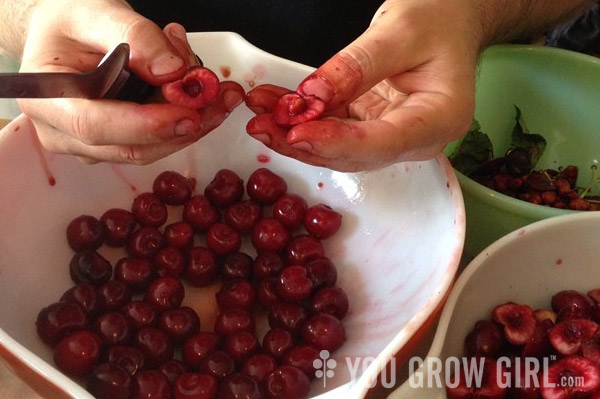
(503, 20)
(14, 22)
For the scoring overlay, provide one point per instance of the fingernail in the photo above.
(165, 64)
(264, 138)
(179, 33)
(232, 99)
(185, 127)
(317, 86)
(303, 146)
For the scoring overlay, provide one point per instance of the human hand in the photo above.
(73, 36)
(400, 92)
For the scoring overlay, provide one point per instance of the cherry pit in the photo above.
(125, 330)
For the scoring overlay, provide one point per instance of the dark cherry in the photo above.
(290, 210)
(303, 357)
(485, 340)
(180, 323)
(237, 265)
(277, 342)
(172, 369)
(321, 271)
(287, 382)
(330, 300)
(170, 261)
(172, 188)
(225, 189)
(90, 267)
(195, 386)
(149, 210)
(77, 353)
(303, 248)
(270, 234)
(113, 328)
(179, 235)
(571, 304)
(259, 366)
(265, 187)
(139, 314)
(268, 264)
(289, 316)
(200, 213)
(85, 232)
(218, 363)
(242, 216)
(118, 225)
(151, 384)
(165, 293)
(113, 295)
(84, 295)
(239, 386)
(110, 381)
(324, 331)
(137, 273)
(237, 294)
(223, 239)
(145, 242)
(196, 347)
(267, 292)
(293, 283)
(155, 345)
(128, 357)
(234, 320)
(241, 346)
(321, 221)
(203, 267)
(58, 319)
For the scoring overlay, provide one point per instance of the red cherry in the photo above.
(172, 369)
(200, 213)
(203, 267)
(155, 345)
(218, 363)
(110, 381)
(113, 295)
(268, 294)
(237, 294)
(118, 226)
(234, 320)
(149, 210)
(321, 221)
(237, 265)
(77, 353)
(128, 357)
(268, 264)
(180, 323)
(270, 235)
(139, 314)
(196, 347)
(151, 384)
(304, 248)
(223, 239)
(294, 284)
(241, 346)
(137, 273)
(289, 316)
(321, 271)
(265, 187)
(170, 261)
(165, 293)
(324, 331)
(195, 386)
(113, 328)
(242, 216)
(57, 320)
(287, 382)
(277, 342)
(330, 300)
(145, 242)
(303, 357)
(179, 235)
(197, 89)
(90, 267)
(225, 189)
(294, 108)
(84, 295)
(172, 188)
(259, 366)
(290, 210)
(85, 232)
(240, 386)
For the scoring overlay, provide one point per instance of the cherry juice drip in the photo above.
(40, 151)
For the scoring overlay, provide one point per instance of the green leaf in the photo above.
(533, 143)
(474, 150)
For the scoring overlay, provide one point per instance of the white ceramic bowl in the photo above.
(397, 252)
(527, 266)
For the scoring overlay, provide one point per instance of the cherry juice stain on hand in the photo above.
(225, 71)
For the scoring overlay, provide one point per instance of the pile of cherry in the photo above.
(125, 331)
(567, 336)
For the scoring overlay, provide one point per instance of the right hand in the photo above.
(73, 36)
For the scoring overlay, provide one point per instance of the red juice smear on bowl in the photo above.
(225, 71)
(320, 185)
(262, 158)
(40, 152)
(119, 172)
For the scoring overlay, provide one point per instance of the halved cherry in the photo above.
(567, 336)
(294, 108)
(571, 377)
(197, 89)
(518, 321)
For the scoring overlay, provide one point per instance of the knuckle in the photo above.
(131, 154)
(83, 130)
(138, 27)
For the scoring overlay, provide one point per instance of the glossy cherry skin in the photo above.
(322, 221)
(172, 188)
(165, 293)
(218, 363)
(85, 232)
(145, 242)
(128, 357)
(270, 235)
(155, 345)
(137, 273)
(485, 340)
(277, 342)
(118, 225)
(290, 210)
(303, 357)
(180, 323)
(84, 295)
(223, 239)
(241, 346)
(77, 353)
(151, 384)
(242, 216)
(289, 316)
(113, 295)
(302, 249)
(113, 328)
(324, 331)
(237, 265)
(195, 386)
(321, 271)
(90, 267)
(149, 210)
(239, 386)
(58, 319)
(179, 235)
(200, 213)
(139, 314)
(287, 382)
(203, 267)
(265, 187)
(330, 300)
(196, 347)
(259, 366)
(267, 292)
(225, 189)
(232, 321)
(110, 381)
(268, 264)
(170, 261)
(238, 293)
(294, 284)
(172, 369)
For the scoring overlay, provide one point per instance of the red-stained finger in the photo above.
(263, 98)
(231, 94)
